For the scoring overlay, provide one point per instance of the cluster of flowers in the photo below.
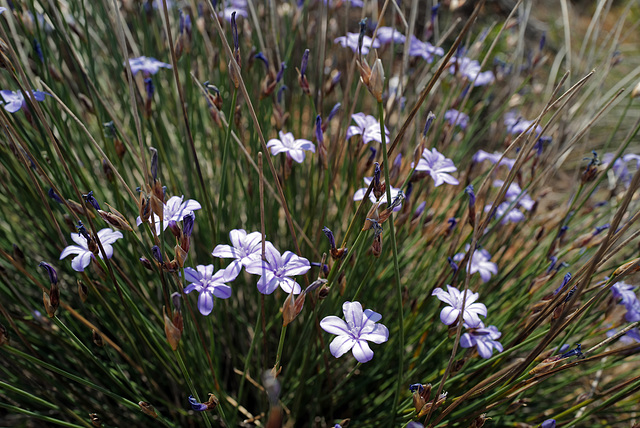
(485, 339)
(246, 251)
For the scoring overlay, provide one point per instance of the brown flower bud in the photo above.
(180, 255)
(172, 332)
(97, 339)
(115, 219)
(4, 335)
(120, 148)
(48, 306)
(95, 420)
(292, 307)
(145, 207)
(376, 80)
(147, 409)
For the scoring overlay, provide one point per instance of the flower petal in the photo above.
(221, 291)
(340, 345)
(205, 302)
(362, 352)
(192, 275)
(379, 334)
(71, 249)
(81, 261)
(334, 325)
(449, 315)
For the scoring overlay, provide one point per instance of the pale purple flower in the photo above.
(633, 311)
(480, 262)
(514, 192)
(354, 3)
(388, 35)
(549, 423)
(2, 9)
(147, 65)
(294, 148)
(517, 125)
(228, 12)
(351, 41)
(83, 254)
(470, 68)
(367, 126)
(449, 315)
(278, 270)
(424, 50)
(512, 215)
(383, 199)
(622, 290)
(360, 327)
(485, 339)
(455, 117)
(245, 249)
(14, 100)
(209, 285)
(438, 167)
(631, 157)
(175, 209)
(494, 157)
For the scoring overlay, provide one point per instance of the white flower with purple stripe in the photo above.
(388, 35)
(294, 148)
(245, 248)
(278, 270)
(438, 167)
(494, 157)
(209, 285)
(147, 65)
(14, 100)
(84, 255)
(485, 339)
(367, 126)
(453, 297)
(351, 41)
(175, 209)
(354, 331)
(480, 263)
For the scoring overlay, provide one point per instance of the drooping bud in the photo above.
(53, 195)
(321, 148)
(175, 229)
(235, 78)
(89, 199)
(154, 163)
(329, 234)
(53, 275)
(262, 58)
(157, 254)
(150, 89)
(280, 74)
(363, 27)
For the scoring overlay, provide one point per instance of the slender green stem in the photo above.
(396, 269)
(247, 359)
(283, 333)
(225, 151)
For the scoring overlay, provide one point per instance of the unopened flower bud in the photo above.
(172, 332)
(89, 199)
(49, 306)
(376, 80)
(115, 219)
(635, 93)
(146, 263)
(53, 275)
(157, 253)
(97, 339)
(147, 408)
(83, 291)
(4, 335)
(292, 307)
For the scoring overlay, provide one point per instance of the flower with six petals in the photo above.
(244, 248)
(278, 270)
(453, 297)
(354, 331)
(294, 148)
(209, 285)
(84, 255)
